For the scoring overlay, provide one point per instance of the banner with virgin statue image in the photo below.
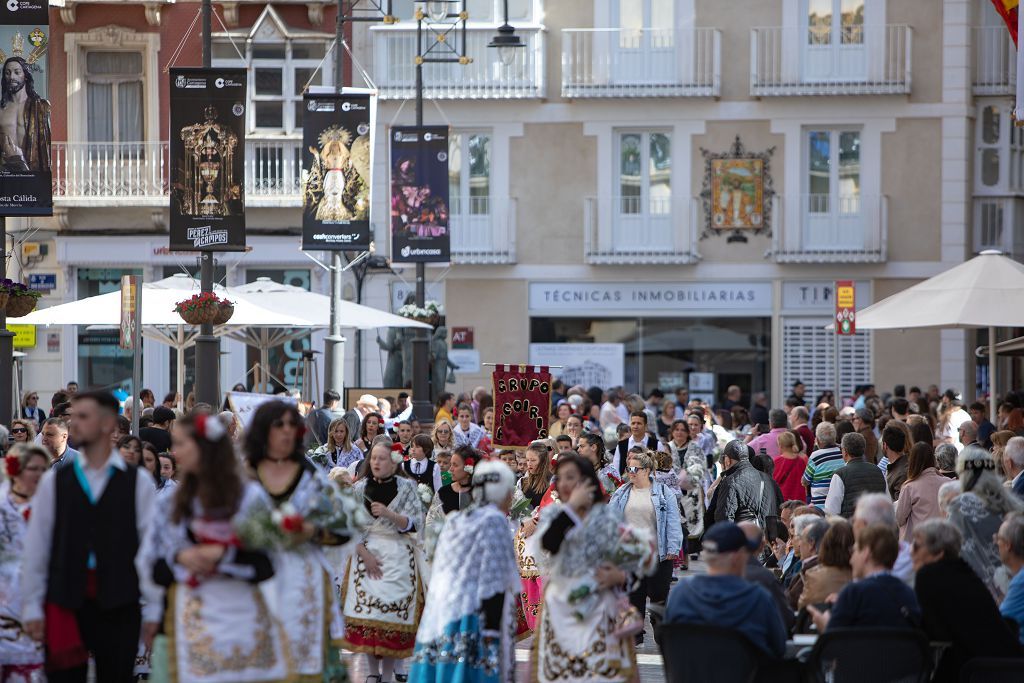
(337, 158)
(522, 404)
(420, 231)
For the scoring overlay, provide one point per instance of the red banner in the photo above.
(522, 404)
(1008, 10)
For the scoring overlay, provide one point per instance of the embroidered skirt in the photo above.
(222, 632)
(460, 655)
(382, 615)
(577, 646)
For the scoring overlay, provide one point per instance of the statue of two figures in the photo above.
(398, 371)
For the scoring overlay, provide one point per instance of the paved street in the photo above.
(648, 657)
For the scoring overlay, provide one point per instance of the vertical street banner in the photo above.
(25, 172)
(207, 142)
(846, 315)
(420, 230)
(522, 404)
(337, 163)
(128, 313)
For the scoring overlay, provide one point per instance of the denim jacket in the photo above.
(666, 513)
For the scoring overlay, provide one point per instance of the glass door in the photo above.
(834, 45)
(644, 48)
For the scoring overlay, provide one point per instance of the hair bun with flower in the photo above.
(210, 427)
(12, 465)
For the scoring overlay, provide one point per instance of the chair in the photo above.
(992, 670)
(879, 655)
(699, 653)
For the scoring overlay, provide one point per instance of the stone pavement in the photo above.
(648, 657)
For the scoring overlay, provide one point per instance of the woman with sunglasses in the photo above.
(301, 595)
(30, 409)
(382, 590)
(20, 656)
(443, 436)
(651, 507)
(23, 430)
(576, 640)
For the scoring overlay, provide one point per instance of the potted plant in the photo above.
(430, 313)
(205, 307)
(19, 300)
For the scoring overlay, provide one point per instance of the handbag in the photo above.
(628, 622)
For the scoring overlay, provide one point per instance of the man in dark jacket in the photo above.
(741, 493)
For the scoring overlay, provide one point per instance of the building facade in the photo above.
(590, 203)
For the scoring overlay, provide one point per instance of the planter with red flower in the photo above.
(203, 308)
(18, 299)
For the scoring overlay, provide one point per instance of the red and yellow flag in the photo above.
(1008, 11)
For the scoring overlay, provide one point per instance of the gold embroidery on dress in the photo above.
(204, 660)
(593, 663)
(366, 604)
(527, 564)
(309, 623)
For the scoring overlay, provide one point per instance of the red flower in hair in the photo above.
(12, 465)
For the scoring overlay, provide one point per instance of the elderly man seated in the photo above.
(724, 598)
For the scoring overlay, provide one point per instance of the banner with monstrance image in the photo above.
(25, 168)
(337, 160)
(207, 144)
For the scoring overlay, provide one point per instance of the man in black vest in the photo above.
(852, 480)
(638, 436)
(79, 585)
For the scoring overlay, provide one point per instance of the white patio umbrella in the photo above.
(159, 321)
(981, 292)
(316, 308)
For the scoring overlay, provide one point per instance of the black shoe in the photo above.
(638, 640)
(401, 678)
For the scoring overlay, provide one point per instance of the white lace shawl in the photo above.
(585, 546)
(475, 560)
(406, 503)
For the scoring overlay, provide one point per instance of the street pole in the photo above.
(422, 406)
(207, 376)
(6, 344)
(334, 343)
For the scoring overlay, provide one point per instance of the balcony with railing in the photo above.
(999, 225)
(822, 228)
(858, 60)
(107, 174)
(394, 67)
(647, 62)
(995, 61)
(483, 229)
(634, 230)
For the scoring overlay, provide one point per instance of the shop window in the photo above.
(809, 357)
(102, 363)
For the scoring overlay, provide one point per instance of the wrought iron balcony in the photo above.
(637, 230)
(817, 228)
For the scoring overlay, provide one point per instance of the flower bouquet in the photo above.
(18, 299)
(425, 494)
(204, 308)
(520, 509)
(634, 552)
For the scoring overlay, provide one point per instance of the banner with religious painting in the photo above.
(420, 228)
(207, 159)
(26, 181)
(522, 404)
(337, 162)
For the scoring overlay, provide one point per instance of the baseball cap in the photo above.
(727, 537)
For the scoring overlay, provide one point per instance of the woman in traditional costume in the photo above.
(302, 594)
(467, 631)
(585, 632)
(382, 591)
(21, 658)
(216, 624)
(533, 486)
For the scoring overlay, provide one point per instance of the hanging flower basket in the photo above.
(430, 313)
(201, 309)
(225, 310)
(18, 300)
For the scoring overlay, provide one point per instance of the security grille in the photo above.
(807, 356)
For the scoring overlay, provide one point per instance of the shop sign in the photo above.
(817, 296)
(846, 323)
(24, 335)
(464, 361)
(601, 365)
(462, 337)
(680, 298)
(42, 282)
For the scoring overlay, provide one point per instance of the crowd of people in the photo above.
(202, 549)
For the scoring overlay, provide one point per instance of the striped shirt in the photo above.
(820, 467)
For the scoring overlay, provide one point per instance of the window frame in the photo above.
(115, 81)
(645, 175)
(465, 182)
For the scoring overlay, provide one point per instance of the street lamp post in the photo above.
(442, 23)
